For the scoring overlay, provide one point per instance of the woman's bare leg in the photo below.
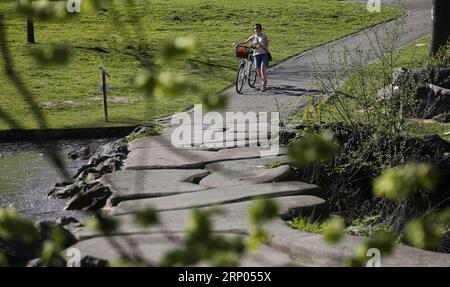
(264, 75)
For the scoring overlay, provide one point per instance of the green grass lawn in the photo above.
(69, 96)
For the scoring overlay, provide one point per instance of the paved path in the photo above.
(292, 81)
(174, 181)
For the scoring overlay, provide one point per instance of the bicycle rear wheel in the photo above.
(240, 78)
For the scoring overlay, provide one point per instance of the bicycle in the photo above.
(246, 70)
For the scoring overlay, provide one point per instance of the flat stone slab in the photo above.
(232, 217)
(197, 141)
(217, 196)
(152, 248)
(169, 157)
(136, 184)
(248, 171)
(311, 250)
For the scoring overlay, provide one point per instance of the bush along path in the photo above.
(208, 205)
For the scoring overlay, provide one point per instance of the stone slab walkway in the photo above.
(176, 180)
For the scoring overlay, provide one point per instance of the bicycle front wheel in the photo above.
(240, 78)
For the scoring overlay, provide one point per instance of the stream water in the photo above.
(26, 176)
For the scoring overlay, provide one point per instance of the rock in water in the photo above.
(90, 261)
(92, 196)
(64, 192)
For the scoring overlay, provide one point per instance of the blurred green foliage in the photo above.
(146, 217)
(312, 149)
(401, 182)
(333, 230)
(15, 227)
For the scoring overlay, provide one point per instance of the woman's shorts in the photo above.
(261, 59)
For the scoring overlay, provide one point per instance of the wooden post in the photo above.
(105, 103)
(30, 30)
(30, 27)
(104, 90)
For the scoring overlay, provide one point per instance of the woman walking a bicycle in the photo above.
(260, 43)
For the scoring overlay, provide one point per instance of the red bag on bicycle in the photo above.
(242, 52)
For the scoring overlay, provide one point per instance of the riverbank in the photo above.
(33, 135)
(26, 176)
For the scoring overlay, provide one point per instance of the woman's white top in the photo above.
(262, 40)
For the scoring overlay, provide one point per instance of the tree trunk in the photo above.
(30, 30)
(441, 25)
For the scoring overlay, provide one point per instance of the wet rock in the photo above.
(112, 148)
(66, 220)
(109, 165)
(64, 192)
(93, 196)
(46, 231)
(82, 170)
(90, 177)
(94, 161)
(62, 184)
(91, 261)
(82, 153)
(37, 262)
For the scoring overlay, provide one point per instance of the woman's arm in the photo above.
(249, 39)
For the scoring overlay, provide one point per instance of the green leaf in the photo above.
(225, 258)
(103, 224)
(172, 85)
(51, 255)
(180, 47)
(146, 217)
(262, 210)
(424, 233)
(199, 225)
(15, 227)
(43, 10)
(213, 102)
(145, 80)
(444, 217)
(51, 55)
(126, 263)
(3, 259)
(313, 149)
(382, 240)
(401, 182)
(256, 238)
(333, 229)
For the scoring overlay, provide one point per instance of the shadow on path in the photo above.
(288, 90)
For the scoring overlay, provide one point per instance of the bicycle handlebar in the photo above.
(236, 45)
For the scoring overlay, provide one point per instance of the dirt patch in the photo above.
(114, 100)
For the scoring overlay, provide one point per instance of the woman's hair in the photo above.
(258, 25)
